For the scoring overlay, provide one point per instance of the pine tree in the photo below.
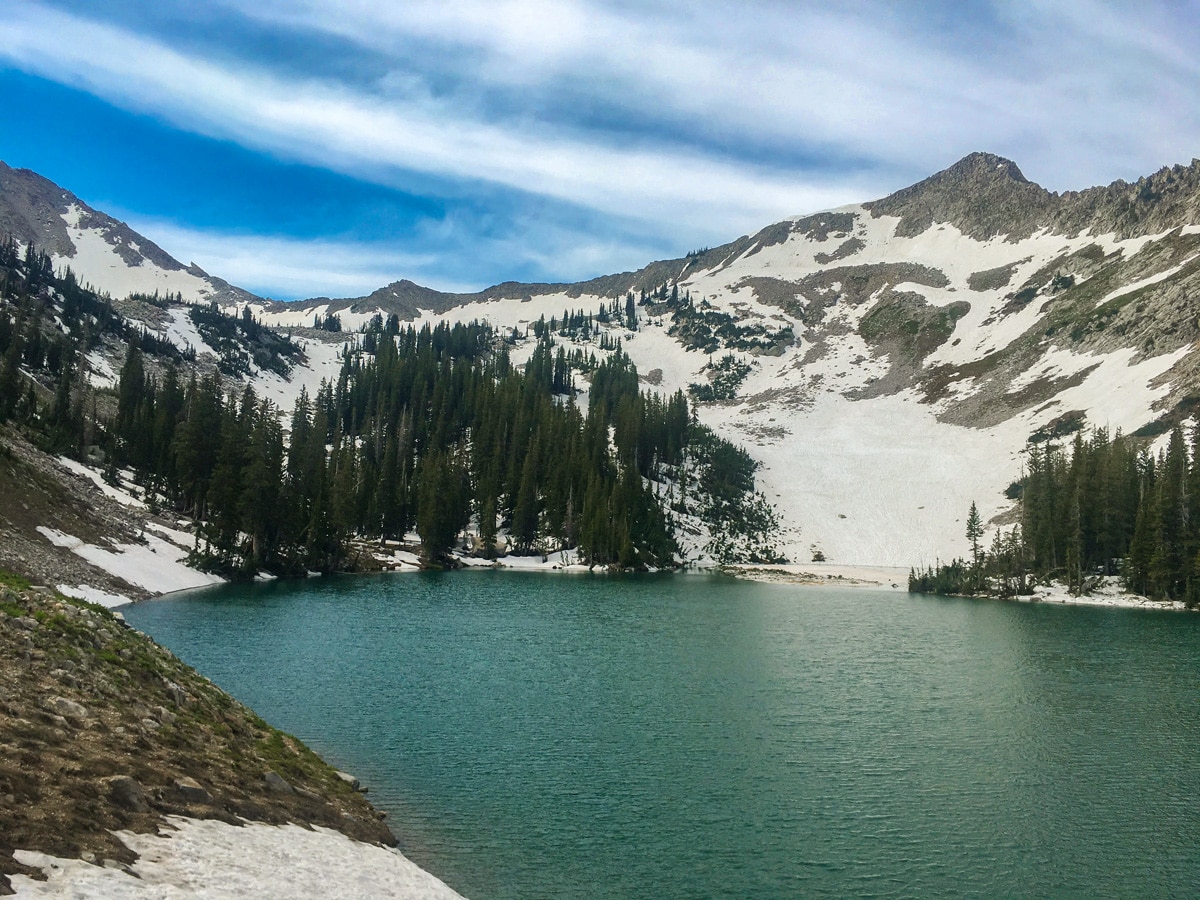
(261, 487)
(974, 533)
(525, 512)
(441, 511)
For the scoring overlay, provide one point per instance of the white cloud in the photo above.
(666, 123)
(388, 138)
(288, 268)
(1077, 91)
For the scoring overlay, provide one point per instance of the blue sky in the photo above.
(326, 147)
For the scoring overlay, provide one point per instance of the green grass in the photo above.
(13, 581)
(299, 766)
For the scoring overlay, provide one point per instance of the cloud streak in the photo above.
(388, 138)
(602, 132)
(1072, 88)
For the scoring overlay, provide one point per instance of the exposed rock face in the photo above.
(1151, 205)
(34, 209)
(984, 195)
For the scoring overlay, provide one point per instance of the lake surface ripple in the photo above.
(534, 735)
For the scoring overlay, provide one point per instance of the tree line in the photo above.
(436, 431)
(1107, 506)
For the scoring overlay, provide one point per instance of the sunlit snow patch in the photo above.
(209, 858)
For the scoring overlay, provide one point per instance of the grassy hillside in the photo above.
(104, 729)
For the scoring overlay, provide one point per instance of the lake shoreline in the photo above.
(1108, 594)
(887, 578)
(135, 769)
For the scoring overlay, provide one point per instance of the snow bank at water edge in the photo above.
(886, 578)
(209, 858)
(157, 565)
(1108, 593)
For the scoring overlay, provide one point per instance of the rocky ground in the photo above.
(35, 490)
(101, 729)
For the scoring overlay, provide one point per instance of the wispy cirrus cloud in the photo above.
(395, 139)
(1073, 89)
(554, 136)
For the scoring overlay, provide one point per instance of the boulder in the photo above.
(276, 783)
(128, 793)
(177, 694)
(69, 709)
(191, 791)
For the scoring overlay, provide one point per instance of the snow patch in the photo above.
(125, 498)
(182, 331)
(99, 372)
(207, 858)
(156, 566)
(94, 595)
(323, 361)
(96, 262)
(1108, 593)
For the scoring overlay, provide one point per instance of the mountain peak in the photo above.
(983, 167)
(983, 195)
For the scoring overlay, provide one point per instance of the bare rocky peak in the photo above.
(984, 195)
(1151, 205)
(31, 209)
(404, 298)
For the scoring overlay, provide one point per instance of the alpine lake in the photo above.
(536, 735)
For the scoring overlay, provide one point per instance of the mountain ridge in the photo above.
(984, 195)
(35, 209)
(971, 311)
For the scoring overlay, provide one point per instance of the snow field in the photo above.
(157, 566)
(96, 262)
(324, 360)
(207, 858)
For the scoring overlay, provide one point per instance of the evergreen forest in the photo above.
(431, 430)
(1105, 506)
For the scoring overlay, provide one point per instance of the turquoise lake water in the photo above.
(538, 735)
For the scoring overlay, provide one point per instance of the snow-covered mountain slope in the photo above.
(903, 355)
(102, 252)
